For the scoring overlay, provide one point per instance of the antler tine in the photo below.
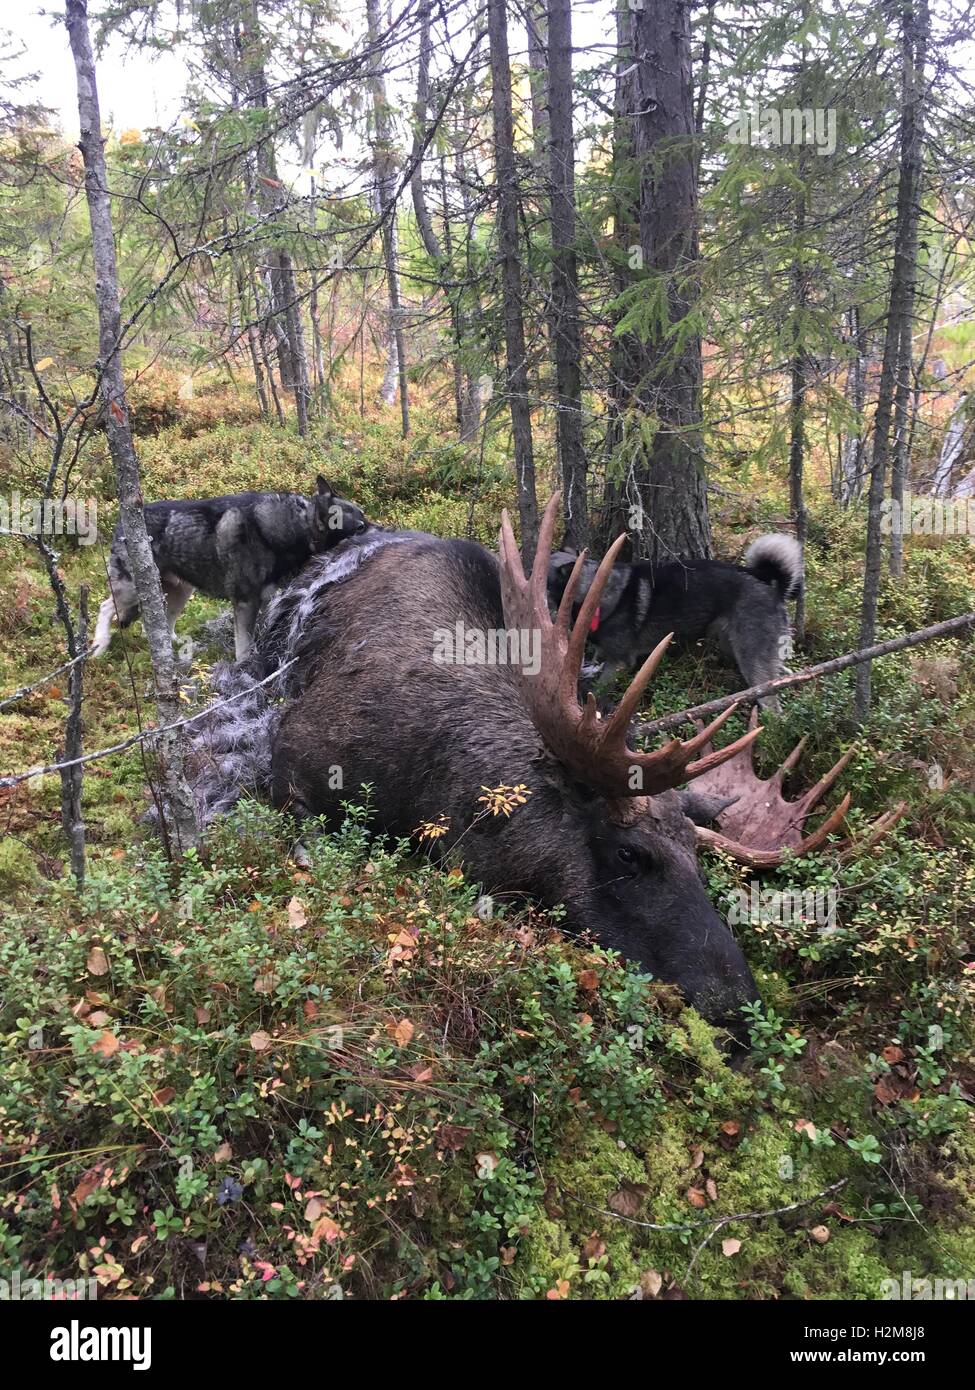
(538, 579)
(565, 647)
(723, 755)
(580, 628)
(793, 758)
(666, 767)
(619, 721)
(773, 858)
(594, 749)
(703, 735)
(819, 837)
(876, 832)
(815, 794)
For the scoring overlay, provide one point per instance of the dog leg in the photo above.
(122, 604)
(757, 649)
(245, 618)
(177, 594)
(103, 628)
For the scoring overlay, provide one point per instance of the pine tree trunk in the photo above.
(395, 374)
(800, 365)
(663, 497)
(178, 806)
(253, 349)
(565, 314)
(914, 48)
(471, 320)
(508, 250)
(902, 405)
(281, 280)
(296, 340)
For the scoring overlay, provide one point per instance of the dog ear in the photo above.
(561, 563)
(325, 488)
(568, 556)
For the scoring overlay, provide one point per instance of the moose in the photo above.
(605, 831)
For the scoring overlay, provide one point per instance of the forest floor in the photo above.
(247, 1076)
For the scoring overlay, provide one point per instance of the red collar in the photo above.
(594, 625)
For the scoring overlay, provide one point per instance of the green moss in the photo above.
(774, 990)
(17, 867)
(581, 1184)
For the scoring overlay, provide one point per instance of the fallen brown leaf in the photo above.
(97, 961)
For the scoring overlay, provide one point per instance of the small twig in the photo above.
(706, 1220)
(760, 1216)
(825, 668)
(25, 415)
(25, 690)
(15, 778)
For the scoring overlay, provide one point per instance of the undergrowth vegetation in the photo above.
(330, 1072)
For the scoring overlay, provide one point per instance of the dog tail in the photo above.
(776, 559)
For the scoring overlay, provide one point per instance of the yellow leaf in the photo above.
(43, 364)
(130, 137)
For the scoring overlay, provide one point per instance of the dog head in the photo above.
(560, 569)
(332, 519)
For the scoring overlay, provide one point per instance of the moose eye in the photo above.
(626, 855)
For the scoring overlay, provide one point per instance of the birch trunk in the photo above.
(178, 807)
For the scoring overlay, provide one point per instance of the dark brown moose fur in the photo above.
(429, 737)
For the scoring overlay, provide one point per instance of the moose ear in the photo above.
(325, 488)
(701, 808)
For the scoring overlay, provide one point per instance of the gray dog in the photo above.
(742, 606)
(240, 548)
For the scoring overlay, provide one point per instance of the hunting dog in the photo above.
(741, 606)
(239, 548)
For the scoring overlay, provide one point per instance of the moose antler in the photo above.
(593, 749)
(760, 825)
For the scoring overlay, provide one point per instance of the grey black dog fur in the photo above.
(741, 606)
(240, 548)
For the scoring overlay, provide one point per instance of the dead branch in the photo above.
(15, 778)
(825, 668)
(24, 690)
